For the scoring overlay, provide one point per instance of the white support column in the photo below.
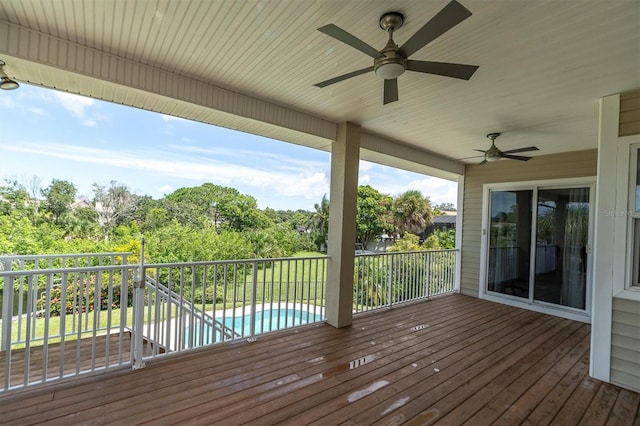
(459, 219)
(602, 299)
(345, 156)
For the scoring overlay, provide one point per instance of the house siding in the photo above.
(625, 325)
(556, 166)
(629, 114)
(625, 344)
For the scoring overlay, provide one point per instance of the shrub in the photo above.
(80, 296)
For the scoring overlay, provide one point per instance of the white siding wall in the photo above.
(625, 324)
(625, 344)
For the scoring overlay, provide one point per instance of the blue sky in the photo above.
(52, 134)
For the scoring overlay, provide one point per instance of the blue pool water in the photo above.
(267, 320)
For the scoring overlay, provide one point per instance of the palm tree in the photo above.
(412, 212)
(319, 222)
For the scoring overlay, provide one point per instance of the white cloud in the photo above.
(77, 105)
(37, 111)
(257, 158)
(302, 182)
(365, 166)
(165, 189)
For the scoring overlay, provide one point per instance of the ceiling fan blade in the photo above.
(390, 91)
(515, 157)
(479, 150)
(461, 71)
(483, 162)
(343, 77)
(468, 158)
(348, 38)
(450, 16)
(527, 149)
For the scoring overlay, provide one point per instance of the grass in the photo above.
(76, 325)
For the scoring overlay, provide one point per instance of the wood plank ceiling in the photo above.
(543, 65)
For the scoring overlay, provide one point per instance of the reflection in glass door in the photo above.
(562, 232)
(538, 245)
(510, 242)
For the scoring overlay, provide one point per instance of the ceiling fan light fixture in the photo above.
(8, 84)
(5, 82)
(390, 70)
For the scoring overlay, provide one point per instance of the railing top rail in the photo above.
(99, 268)
(73, 270)
(391, 253)
(229, 262)
(61, 255)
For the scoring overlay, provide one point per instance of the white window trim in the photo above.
(569, 313)
(623, 216)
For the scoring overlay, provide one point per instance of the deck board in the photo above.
(450, 360)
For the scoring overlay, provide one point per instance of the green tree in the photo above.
(58, 199)
(319, 222)
(82, 223)
(225, 207)
(445, 207)
(111, 203)
(373, 214)
(34, 190)
(13, 196)
(408, 242)
(445, 239)
(412, 212)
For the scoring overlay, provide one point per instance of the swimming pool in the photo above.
(266, 320)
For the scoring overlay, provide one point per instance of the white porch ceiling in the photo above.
(251, 65)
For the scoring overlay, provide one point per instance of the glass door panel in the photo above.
(562, 233)
(510, 242)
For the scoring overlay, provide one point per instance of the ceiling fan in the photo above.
(392, 61)
(494, 154)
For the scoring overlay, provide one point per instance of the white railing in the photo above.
(188, 305)
(382, 280)
(67, 320)
(73, 317)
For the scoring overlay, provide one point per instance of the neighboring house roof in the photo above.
(80, 204)
(444, 219)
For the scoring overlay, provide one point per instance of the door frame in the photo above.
(529, 303)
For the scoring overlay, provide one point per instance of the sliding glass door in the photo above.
(510, 242)
(538, 245)
(562, 236)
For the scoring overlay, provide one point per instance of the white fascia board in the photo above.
(381, 150)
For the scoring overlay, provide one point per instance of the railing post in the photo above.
(7, 310)
(391, 280)
(137, 341)
(254, 290)
(427, 275)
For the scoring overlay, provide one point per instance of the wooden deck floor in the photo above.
(452, 360)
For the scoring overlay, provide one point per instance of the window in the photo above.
(634, 215)
(635, 281)
(636, 186)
